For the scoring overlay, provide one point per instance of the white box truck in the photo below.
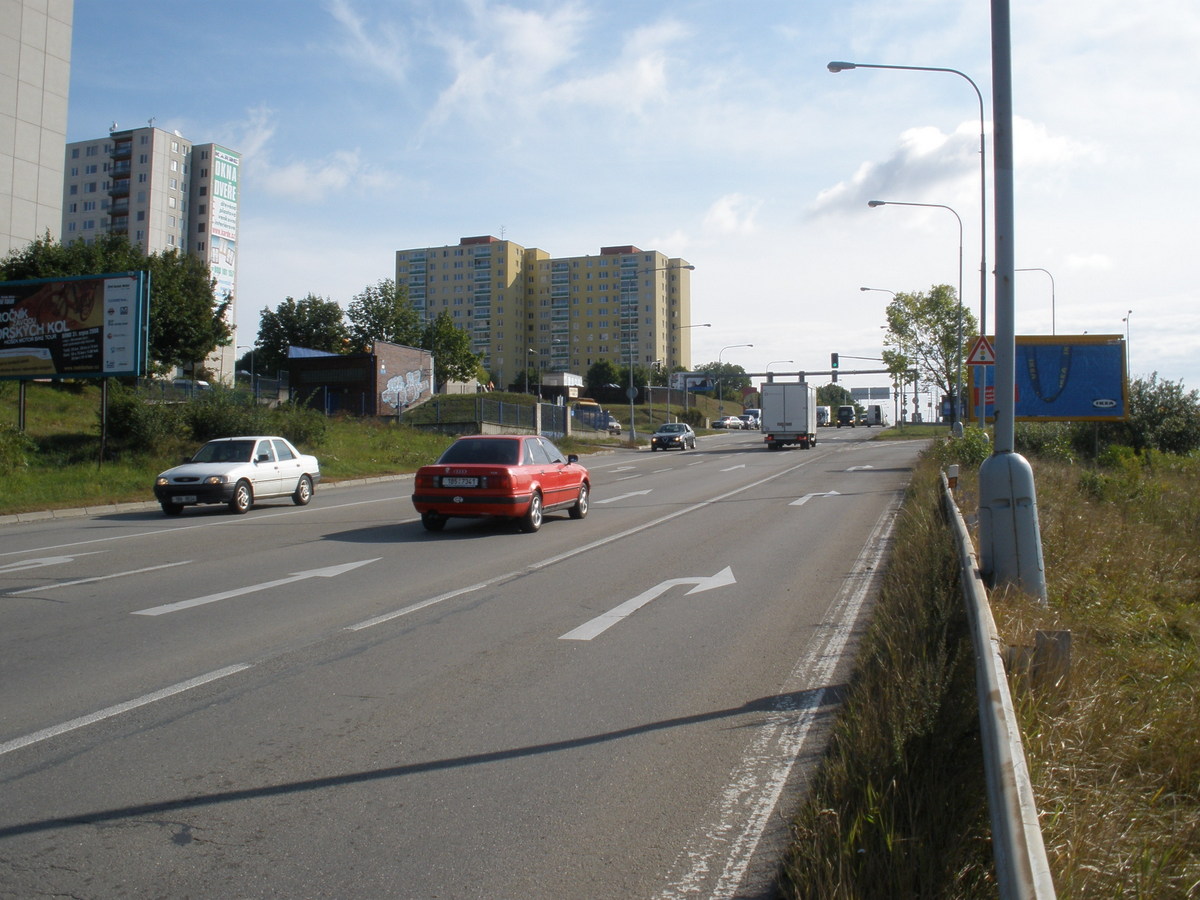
(824, 417)
(874, 415)
(789, 414)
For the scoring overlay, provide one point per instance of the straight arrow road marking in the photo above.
(605, 621)
(45, 562)
(808, 497)
(329, 572)
(620, 497)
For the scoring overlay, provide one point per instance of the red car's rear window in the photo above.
(498, 451)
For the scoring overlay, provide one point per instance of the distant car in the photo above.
(731, 422)
(518, 477)
(613, 426)
(239, 471)
(673, 434)
(749, 420)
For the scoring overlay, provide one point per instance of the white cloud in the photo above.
(732, 214)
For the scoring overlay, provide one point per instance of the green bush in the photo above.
(969, 450)
(1048, 440)
(138, 426)
(15, 449)
(223, 413)
(302, 425)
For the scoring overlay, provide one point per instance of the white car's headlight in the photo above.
(162, 481)
(216, 479)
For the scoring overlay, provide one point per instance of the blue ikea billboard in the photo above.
(1079, 378)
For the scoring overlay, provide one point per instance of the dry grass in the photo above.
(1115, 750)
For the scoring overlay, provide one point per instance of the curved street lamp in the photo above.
(629, 339)
(958, 372)
(838, 66)
(1053, 327)
(720, 396)
(669, 337)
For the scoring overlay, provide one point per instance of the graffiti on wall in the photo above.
(403, 390)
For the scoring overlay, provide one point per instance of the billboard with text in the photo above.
(81, 327)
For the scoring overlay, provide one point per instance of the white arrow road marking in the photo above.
(858, 468)
(605, 621)
(44, 561)
(808, 497)
(63, 584)
(731, 468)
(330, 572)
(621, 497)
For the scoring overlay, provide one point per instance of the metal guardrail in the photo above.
(1022, 869)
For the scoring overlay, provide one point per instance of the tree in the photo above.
(451, 349)
(1162, 416)
(833, 396)
(187, 322)
(600, 374)
(314, 322)
(732, 379)
(925, 334)
(381, 312)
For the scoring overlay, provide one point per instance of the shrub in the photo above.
(302, 425)
(969, 450)
(15, 449)
(138, 426)
(222, 413)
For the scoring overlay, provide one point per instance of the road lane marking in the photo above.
(63, 584)
(44, 561)
(328, 572)
(620, 497)
(92, 718)
(807, 497)
(605, 621)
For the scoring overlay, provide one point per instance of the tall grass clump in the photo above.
(1114, 749)
(898, 808)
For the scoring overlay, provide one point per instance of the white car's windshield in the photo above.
(224, 452)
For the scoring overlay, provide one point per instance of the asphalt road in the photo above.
(330, 702)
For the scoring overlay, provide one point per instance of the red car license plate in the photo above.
(459, 482)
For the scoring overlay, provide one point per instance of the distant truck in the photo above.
(874, 415)
(789, 414)
(845, 416)
(823, 417)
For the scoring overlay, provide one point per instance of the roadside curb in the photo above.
(46, 515)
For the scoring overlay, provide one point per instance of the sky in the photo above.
(705, 129)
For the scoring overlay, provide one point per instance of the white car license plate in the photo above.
(459, 482)
(184, 498)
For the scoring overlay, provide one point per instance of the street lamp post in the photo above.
(836, 67)
(1128, 348)
(957, 425)
(772, 362)
(1053, 325)
(531, 350)
(902, 385)
(720, 395)
(669, 337)
(629, 339)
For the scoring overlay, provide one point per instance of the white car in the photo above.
(730, 422)
(238, 471)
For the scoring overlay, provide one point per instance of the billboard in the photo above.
(81, 327)
(1060, 378)
(696, 382)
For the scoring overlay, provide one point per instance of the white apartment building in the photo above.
(164, 193)
(523, 307)
(35, 77)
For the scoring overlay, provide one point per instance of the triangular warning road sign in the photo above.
(982, 353)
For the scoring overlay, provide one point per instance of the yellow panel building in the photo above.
(523, 307)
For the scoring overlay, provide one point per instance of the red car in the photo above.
(520, 477)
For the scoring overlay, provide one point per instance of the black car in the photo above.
(673, 434)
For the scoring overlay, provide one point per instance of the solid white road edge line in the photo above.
(741, 815)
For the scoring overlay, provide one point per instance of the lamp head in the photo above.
(840, 66)
(874, 203)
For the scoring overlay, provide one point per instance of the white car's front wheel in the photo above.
(243, 498)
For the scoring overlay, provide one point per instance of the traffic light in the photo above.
(833, 364)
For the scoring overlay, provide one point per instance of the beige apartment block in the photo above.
(164, 193)
(35, 77)
(523, 307)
